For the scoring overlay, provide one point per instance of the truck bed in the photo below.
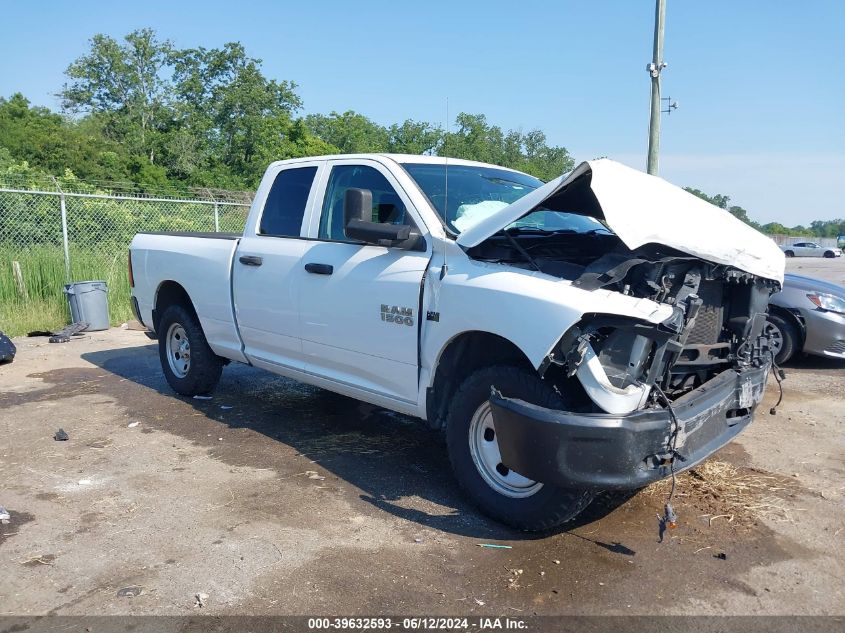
(201, 263)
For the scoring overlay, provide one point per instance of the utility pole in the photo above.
(654, 69)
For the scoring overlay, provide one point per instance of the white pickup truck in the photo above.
(595, 332)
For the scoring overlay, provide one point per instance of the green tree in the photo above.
(350, 132)
(235, 112)
(476, 139)
(124, 85)
(53, 144)
(413, 137)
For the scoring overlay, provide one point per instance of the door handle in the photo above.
(320, 269)
(250, 260)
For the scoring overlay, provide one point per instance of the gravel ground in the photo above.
(276, 498)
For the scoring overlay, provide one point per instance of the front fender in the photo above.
(530, 309)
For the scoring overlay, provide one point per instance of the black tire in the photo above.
(788, 333)
(204, 369)
(546, 508)
(829, 254)
(789, 254)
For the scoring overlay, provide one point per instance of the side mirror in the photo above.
(358, 224)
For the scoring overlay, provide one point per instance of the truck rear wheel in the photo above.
(189, 365)
(474, 453)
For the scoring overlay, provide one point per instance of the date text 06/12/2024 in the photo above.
(417, 623)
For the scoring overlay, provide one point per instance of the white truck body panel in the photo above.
(530, 309)
(202, 267)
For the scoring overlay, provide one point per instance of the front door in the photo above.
(359, 308)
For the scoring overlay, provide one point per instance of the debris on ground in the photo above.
(61, 436)
(201, 599)
(130, 592)
(738, 492)
(721, 556)
(7, 349)
(313, 474)
(84, 482)
(63, 335)
(513, 579)
(43, 559)
(5, 517)
(132, 425)
(494, 546)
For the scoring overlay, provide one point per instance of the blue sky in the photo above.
(761, 84)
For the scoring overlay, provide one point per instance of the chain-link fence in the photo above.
(51, 235)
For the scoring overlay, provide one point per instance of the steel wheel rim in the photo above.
(775, 337)
(484, 449)
(178, 350)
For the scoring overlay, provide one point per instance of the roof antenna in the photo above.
(444, 268)
(446, 152)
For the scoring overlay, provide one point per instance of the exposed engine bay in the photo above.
(717, 322)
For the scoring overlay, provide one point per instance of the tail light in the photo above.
(131, 276)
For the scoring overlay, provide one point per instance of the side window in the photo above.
(387, 205)
(285, 206)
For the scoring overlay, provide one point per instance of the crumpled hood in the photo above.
(643, 209)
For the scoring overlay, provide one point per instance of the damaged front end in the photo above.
(642, 398)
(646, 398)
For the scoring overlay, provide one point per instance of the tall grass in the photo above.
(42, 305)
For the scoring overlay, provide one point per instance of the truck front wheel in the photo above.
(498, 491)
(189, 365)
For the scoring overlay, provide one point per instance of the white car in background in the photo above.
(810, 249)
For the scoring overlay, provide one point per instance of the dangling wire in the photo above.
(780, 376)
(669, 519)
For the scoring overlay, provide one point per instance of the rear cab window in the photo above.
(285, 206)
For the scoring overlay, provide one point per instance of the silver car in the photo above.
(808, 316)
(810, 249)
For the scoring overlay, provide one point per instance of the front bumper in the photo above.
(618, 452)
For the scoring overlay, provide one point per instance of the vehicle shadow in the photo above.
(807, 361)
(398, 463)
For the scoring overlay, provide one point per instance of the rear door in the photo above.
(266, 271)
(359, 309)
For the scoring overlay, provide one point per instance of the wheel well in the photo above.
(170, 293)
(463, 355)
(794, 319)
